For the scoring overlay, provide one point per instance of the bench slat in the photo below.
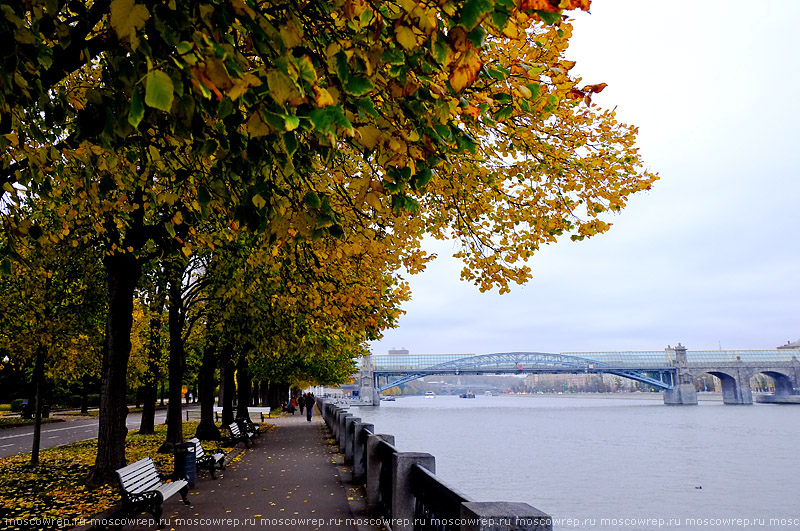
(168, 489)
(136, 467)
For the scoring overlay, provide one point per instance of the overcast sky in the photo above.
(709, 257)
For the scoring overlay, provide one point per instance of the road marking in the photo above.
(7, 445)
(43, 431)
(53, 437)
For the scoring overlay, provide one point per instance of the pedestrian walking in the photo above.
(302, 402)
(309, 406)
(292, 405)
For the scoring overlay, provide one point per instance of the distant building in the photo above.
(398, 351)
(791, 345)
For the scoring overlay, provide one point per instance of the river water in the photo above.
(611, 463)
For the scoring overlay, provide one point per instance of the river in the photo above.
(604, 463)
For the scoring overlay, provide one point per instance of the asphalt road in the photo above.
(15, 441)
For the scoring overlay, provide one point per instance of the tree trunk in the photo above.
(147, 425)
(177, 358)
(243, 385)
(229, 390)
(207, 429)
(38, 377)
(124, 272)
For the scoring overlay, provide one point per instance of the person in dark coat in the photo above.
(309, 406)
(301, 402)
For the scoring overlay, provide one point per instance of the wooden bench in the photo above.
(238, 435)
(246, 425)
(210, 461)
(143, 491)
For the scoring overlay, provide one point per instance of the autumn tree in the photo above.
(153, 123)
(51, 308)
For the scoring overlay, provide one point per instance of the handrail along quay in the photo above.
(404, 490)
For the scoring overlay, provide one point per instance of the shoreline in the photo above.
(701, 397)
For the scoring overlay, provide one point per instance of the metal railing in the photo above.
(403, 488)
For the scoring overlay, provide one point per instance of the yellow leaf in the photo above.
(280, 86)
(368, 136)
(406, 37)
(259, 201)
(240, 86)
(292, 35)
(218, 74)
(257, 127)
(322, 97)
(127, 18)
(465, 71)
(374, 201)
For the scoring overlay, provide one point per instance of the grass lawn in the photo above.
(56, 487)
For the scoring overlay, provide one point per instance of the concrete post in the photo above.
(374, 469)
(360, 433)
(335, 422)
(349, 434)
(403, 501)
(503, 516)
(342, 438)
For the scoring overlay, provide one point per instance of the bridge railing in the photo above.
(403, 488)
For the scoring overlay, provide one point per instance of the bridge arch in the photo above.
(782, 382)
(735, 386)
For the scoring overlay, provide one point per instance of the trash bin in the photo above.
(186, 462)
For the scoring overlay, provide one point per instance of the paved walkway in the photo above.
(291, 478)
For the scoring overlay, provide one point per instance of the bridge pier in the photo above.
(367, 391)
(735, 384)
(739, 393)
(683, 393)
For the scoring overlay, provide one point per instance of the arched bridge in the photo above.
(672, 370)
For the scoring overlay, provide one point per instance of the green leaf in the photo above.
(342, 70)
(203, 195)
(498, 73)
(473, 11)
(548, 17)
(441, 49)
(136, 112)
(159, 90)
(500, 18)
(184, 47)
(477, 36)
(536, 91)
(312, 199)
(292, 122)
(321, 121)
(504, 113)
(366, 106)
(358, 86)
(290, 143)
